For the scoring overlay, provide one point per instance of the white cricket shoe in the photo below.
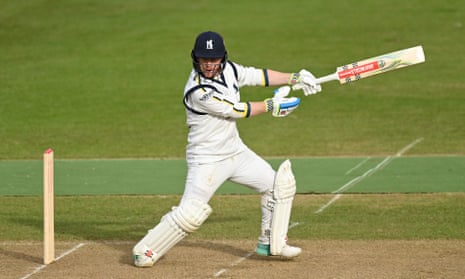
(144, 259)
(287, 251)
(290, 251)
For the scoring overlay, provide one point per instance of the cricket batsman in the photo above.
(215, 152)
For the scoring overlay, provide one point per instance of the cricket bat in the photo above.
(376, 65)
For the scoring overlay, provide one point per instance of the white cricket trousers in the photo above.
(245, 168)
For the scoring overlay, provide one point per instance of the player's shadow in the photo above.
(20, 256)
(229, 249)
(220, 247)
(94, 230)
(201, 244)
(126, 251)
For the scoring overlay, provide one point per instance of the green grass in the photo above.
(104, 79)
(397, 216)
(97, 79)
(314, 175)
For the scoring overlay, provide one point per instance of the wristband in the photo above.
(268, 104)
(294, 78)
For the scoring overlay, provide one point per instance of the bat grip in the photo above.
(327, 78)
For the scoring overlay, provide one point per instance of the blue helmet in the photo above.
(209, 45)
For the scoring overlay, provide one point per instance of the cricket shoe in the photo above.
(263, 249)
(287, 251)
(144, 259)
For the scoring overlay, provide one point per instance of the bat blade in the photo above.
(376, 65)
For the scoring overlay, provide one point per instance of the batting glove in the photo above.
(279, 105)
(306, 81)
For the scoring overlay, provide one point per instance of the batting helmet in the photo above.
(209, 45)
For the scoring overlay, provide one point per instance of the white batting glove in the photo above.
(306, 81)
(281, 92)
(279, 105)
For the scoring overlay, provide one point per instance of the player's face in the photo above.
(210, 67)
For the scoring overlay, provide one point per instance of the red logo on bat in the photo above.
(358, 70)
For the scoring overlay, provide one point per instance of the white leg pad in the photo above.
(283, 194)
(173, 227)
(191, 214)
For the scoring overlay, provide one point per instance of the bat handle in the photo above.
(327, 78)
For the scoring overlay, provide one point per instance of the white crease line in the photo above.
(293, 225)
(237, 262)
(369, 172)
(405, 149)
(358, 165)
(337, 196)
(38, 269)
(363, 176)
(70, 251)
(218, 274)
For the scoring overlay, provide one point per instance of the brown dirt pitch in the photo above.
(234, 259)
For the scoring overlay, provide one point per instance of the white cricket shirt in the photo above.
(212, 107)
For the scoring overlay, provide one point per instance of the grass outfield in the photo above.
(314, 175)
(352, 217)
(105, 79)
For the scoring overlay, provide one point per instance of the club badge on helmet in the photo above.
(209, 45)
